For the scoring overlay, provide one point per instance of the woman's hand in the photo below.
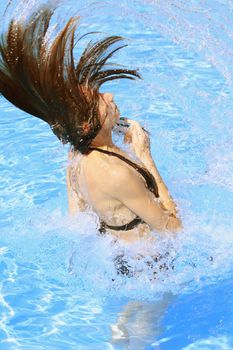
(140, 144)
(138, 138)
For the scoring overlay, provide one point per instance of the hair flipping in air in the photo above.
(42, 78)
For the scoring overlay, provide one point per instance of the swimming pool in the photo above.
(56, 287)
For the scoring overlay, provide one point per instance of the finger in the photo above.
(127, 137)
(131, 121)
(126, 120)
(134, 123)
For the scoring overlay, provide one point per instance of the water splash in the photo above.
(59, 267)
(193, 79)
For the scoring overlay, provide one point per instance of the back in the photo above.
(90, 177)
(117, 192)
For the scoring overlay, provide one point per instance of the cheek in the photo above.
(102, 108)
(114, 115)
(109, 115)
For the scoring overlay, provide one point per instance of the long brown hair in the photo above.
(41, 77)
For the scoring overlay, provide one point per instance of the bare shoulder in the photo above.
(108, 170)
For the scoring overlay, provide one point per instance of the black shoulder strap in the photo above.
(150, 181)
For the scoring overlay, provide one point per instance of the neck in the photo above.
(104, 138)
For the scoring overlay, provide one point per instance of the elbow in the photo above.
(169, 223)
(174, 224)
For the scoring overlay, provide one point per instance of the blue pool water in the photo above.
(56, 275)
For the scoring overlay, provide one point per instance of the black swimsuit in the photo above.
(120, 261)
(150, 183)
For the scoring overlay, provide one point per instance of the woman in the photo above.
(123, 193)
(40, 77)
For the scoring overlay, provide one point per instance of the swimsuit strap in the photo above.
(151, 185)
(132, 224)
(149, 178)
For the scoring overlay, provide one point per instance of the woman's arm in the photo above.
(164, 194)
(141, 146)
(72, 196)
(130, 190)
(75, 204)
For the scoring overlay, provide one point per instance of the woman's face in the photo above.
(109, 113)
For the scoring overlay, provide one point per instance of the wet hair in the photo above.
(40, 76)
